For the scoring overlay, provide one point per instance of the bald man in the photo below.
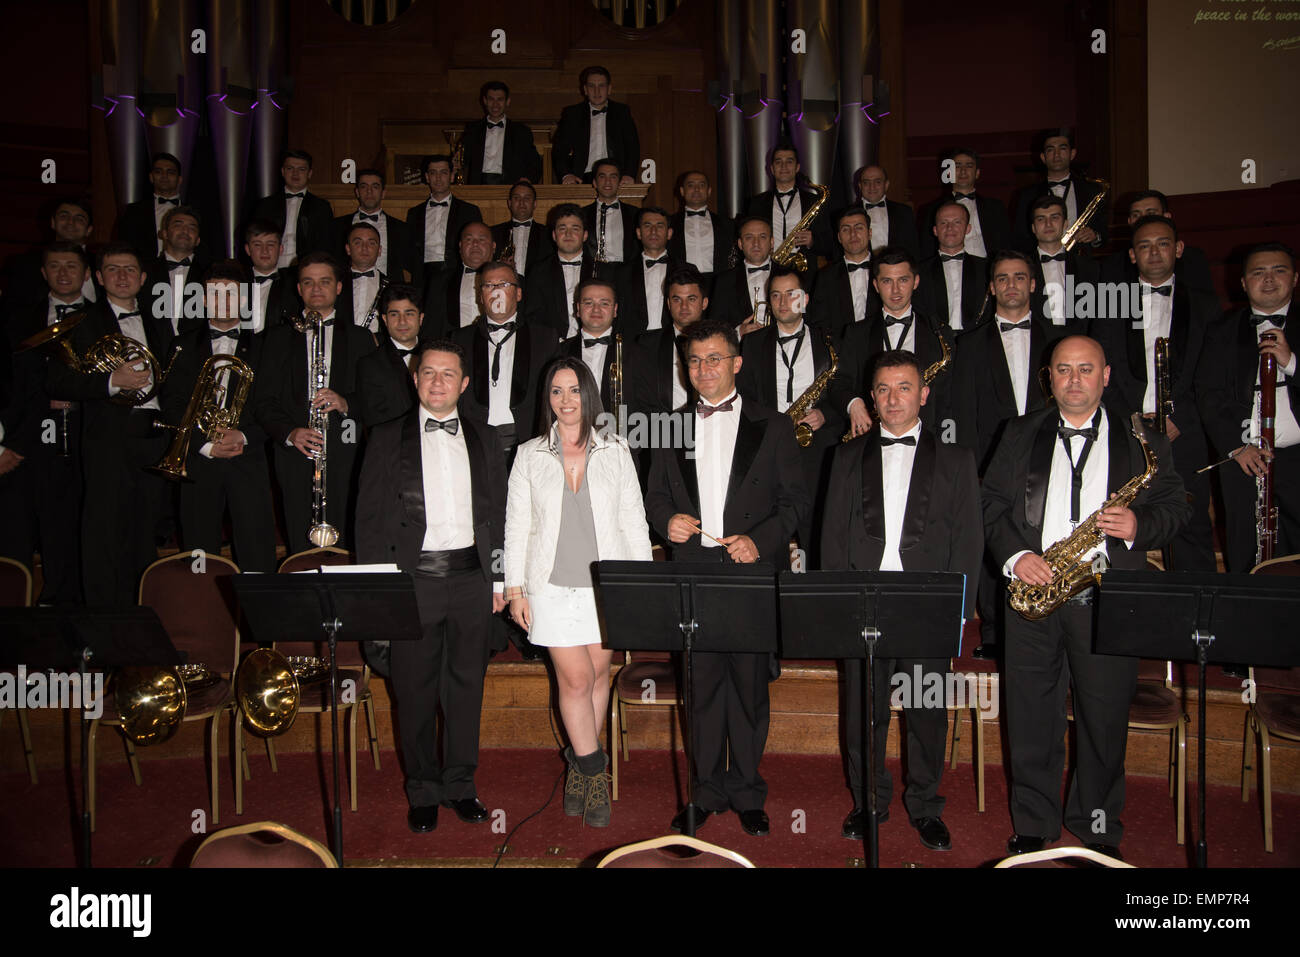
(1028, 505)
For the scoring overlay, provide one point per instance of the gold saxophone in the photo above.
(811, 396)
(927, 375)
(1072, 234)
(787, 254)
(1070, 574)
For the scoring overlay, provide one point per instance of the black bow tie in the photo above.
(613, 205)
(294, 195)
(1058, 258)
(261, 279)
(958, 197)
(215, 334)
(602, 341)
(368, 274)
(1162, 290)
(439, 202)
(782, 340)
(449, 425)
(944, 257)
(1026, 324)
(1063, 183)
(61, 309)
(565, 262)
(1066, 433)
(697, 212)
(879, 205)
(177, 263)
(661, 261)
(162, 201)
(324, 322)
(496, 126)
(789, 192)
(764, 268)
(1256, 318)
(500, 327)
(891, 321)
(598, 112)
(865, 264)
(373, 217)
(905, 440)
(403, 353)
(515, 224)
(704, 411)
(127, 315)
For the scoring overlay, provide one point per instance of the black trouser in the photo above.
(40, 502)
(926, 727)
(1043, 659)
(1239, 500)
(730, 709)
(444, 667)
(1193, 546)
(245, 487)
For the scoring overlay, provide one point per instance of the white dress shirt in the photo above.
(52, 309)
(653, 276)
(975, 238)
(448, 502)
(755, 284)
(329, 350)
(494, 145)
(435, 229)
(133, 328)
(519, 236)
(598, 144)
(698, 237)
(784, 221)
(1015, 346)
(499, 411)
(289, 241)
(613, 229)
(907, 341)
(860, 285)
(365, 289)
(952, 275)
(1064, 189)
(1053, 284)
(895, 481)
(1157, 317)
(879, 218)
(594, 356)
(261, 296)
(571, 279)
(803, 368)
(715, 447)
(468, 301)
(174, 301)
(1286, 431)
(159, 211)
(680, 377)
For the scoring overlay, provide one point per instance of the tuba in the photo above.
(1070, 574)
(215, 406)
(787, 254)
(1071, 235)
(267, 692)
(810, 397)
(104, 355)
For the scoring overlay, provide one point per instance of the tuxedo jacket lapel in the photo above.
(687, 469)
(479, 382)
(873, 495)
(411, 470)
(1247, 359)
(1003, 388)
(1135, 346)
(1040, 469)
(749, 436)
(918, 492)
(1180, 323)
(522, 363)
(1034, 398)
(767, 377)
(1119, 468)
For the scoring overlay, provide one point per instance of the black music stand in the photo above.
(1188, 616)
(68, 639)
(688, 606)
(868, 614)
(374, 606)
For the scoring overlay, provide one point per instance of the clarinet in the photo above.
(1265, 506)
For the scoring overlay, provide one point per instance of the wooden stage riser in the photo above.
(804, 720)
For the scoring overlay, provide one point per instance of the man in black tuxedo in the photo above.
(175, 277)
(990, 230)
(645, 307)
(610, 222)
(282, 406)
(598, 128)
(434, 226)
(306, 221)
(1227, 391)
(1166, 309)
(40, 451)
(663, 384)
(446, 542)
(1192, 267)
(782, 361)
(1076, 192)
(497, 149)
(141, 222)
(228, 470)
(845, 293)
(900, 324)
(363, 281)
(597, 341)
(383, 377)
(506, 358)
(744, 488)
(123, 502)
(530, 239)
(393, 238)
(1028, 506)
(451, 296)
(275, 290)
(1057, 272)
(700, 236)
(954, 280)
(901, 500)
(553, 283)
(738, 297)
(997, 378)
(72, 221)
(892, 224)
(785, 204)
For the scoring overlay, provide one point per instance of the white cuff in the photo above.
(1011, 563)
(206, 451)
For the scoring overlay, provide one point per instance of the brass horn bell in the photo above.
(267, 692)
(151, 703)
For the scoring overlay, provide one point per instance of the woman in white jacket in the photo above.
(574, 499)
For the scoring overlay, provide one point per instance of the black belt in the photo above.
(442, 564)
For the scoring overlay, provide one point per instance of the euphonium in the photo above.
(1070, 573)
(322, 533)
(1071, 235)
(150, 702)
(810, 397)
(267, 692)
(787, 254)
(215, 406)
(104, 355)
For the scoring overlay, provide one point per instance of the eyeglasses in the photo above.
(710, 361)
(499, 285)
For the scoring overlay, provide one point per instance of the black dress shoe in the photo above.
(701, 815)
(422, 820)
(1024, 844)
(469, 810)
(754, 822)
(855, 825)
(933, 833)
(985, 652)
(1110, 850)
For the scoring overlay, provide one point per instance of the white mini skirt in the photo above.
(564, 617)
